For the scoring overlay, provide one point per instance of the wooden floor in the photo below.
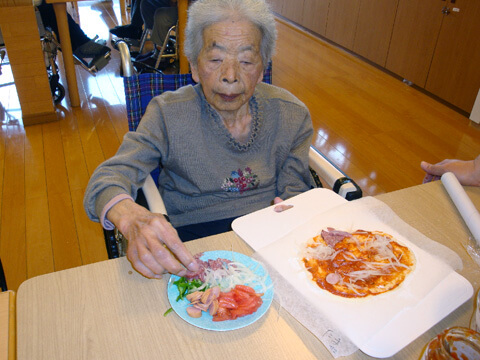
(371, 125)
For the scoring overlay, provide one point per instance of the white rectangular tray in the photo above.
(271, 234)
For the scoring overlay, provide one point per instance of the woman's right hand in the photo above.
(153, 244)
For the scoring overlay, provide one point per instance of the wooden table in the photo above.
(7, 325)
(108, 311)
(60, 7)
(20, 33)
(182, 22)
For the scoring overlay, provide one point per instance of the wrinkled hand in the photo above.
(153, 243)
(467, 172)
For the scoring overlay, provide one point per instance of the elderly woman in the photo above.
(228, 146)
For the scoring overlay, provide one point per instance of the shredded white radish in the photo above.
(362, 275)
(319, 252)
(350, 257)
(234, 273)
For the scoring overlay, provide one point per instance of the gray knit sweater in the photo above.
(206, 174)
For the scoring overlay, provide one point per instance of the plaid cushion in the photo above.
(140, 89)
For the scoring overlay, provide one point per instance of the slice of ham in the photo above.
(202, 265)
(332, 236)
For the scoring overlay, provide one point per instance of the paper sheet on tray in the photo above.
(344, 325)
(265, 226)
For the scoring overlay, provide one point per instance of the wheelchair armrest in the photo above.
(127, 66)
(154, 200)
(334, 177)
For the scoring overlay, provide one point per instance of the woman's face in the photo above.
(229, 65)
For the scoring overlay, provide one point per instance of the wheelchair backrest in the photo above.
(140, 89)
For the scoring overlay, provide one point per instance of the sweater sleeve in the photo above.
(294, 175)
(124, 173)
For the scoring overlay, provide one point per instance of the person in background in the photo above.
(228, 146)
(467, 172)
(159, 16)
(134, 29)
(82, 45)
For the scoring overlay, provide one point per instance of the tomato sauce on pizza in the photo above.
(358, 264)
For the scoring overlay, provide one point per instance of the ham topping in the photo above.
(203, 265)
(332, 236)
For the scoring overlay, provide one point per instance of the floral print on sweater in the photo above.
(241, 181)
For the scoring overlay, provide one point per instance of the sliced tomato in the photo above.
(222, 315)
(241, 296)
(240, 301)
(246, 289)
(236, 313)
(229, 296)
(227, 303)
(248, 302)
(242, 311)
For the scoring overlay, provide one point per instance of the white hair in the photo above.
(203, 13)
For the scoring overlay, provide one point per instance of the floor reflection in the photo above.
(10, 110)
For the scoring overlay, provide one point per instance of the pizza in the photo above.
(358, 264)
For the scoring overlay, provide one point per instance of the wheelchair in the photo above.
(50, 47)
(141, 88)
(167, 55)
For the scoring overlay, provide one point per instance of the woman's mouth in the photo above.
(228, 98)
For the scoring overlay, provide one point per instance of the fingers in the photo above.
(154, 248)
(282, 207)
(153, 260)
(179, 250)
(434, 170)
(425, 166)
(428, 178)
(277, 200)
(147, 233)
(133, 257)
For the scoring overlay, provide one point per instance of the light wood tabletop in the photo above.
(108, 311)
(7, 325)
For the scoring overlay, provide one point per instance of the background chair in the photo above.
(167, 50)
(140, 89)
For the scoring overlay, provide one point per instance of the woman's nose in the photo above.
(230, 72)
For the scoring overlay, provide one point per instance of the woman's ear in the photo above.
(194, 70)
(260, 78)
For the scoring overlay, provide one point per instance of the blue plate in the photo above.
(205, 321)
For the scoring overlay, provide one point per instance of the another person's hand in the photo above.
(153, 244)
(279, 205)
(467, 172)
